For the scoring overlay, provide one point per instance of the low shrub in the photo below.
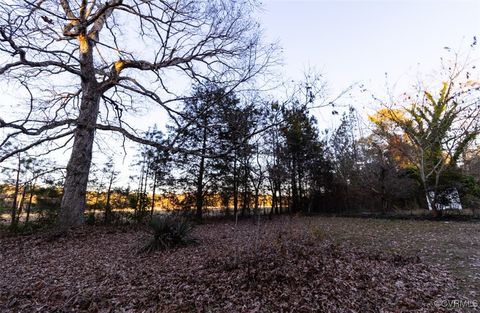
(168, 232)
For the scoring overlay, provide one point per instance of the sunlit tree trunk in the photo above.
(30, 200)
(15, 195)
(20, 205)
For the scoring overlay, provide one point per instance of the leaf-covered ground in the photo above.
(450, 244)
(285, 265)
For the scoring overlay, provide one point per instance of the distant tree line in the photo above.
(299, 169)
(79, 70)
(251, 156)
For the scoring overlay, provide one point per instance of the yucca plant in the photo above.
(169, 232)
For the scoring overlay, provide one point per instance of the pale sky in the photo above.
(360, 41)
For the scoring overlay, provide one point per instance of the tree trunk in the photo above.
(153, 193)
(244, 201)
(20, 206)
(15, 194)
(256, 204)
(294, 206)
(383, 190)
(144, 194)
(29, 205)
(279, 207)
(235, 187)
(245, 204)
(138, 199)
(75, 188)
(108, 208)
(273, 201)
(300, 190)
(201, 172)
(74, 197)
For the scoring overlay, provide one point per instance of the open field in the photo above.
(300, 264)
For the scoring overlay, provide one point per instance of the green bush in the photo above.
(90, 219)
(168, 232)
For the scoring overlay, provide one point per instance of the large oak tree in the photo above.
(87, 64)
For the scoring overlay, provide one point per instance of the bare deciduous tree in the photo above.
(87, 64)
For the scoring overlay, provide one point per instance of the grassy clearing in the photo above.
(454, 245)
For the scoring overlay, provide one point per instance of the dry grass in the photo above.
(453, 245)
